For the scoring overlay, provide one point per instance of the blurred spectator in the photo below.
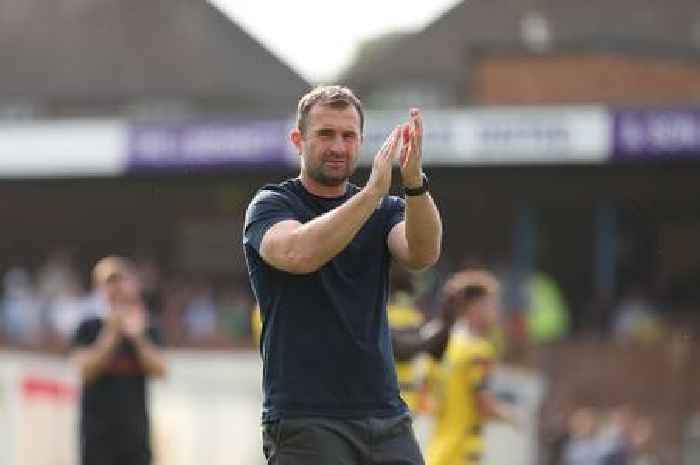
(234, 311)
(535, 309)
(691, 440)
(618, 437)
(95, 304)
(613, 435)
(640, 439)
(21, 310)
(555, 431)
(547, 316)
(636, 317)
(582, 447)
(116, 356)
(57, 276)
(201, 316)
(66, 311)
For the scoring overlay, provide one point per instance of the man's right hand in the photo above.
(379, 181)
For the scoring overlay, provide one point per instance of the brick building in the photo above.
(540, 52)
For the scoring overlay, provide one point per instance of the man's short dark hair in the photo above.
(466, 287)
(338, 97)
(473, 292)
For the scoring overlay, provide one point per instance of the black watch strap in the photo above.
(418, 190)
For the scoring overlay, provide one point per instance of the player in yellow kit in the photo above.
(463, 399)
(256, 325)
(404, 316)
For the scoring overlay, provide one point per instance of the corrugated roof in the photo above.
(439, 52)
(121, 49)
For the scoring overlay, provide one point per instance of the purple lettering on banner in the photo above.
(656, 135)
(172, 147)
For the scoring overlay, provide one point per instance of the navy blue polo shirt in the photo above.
(325, 342)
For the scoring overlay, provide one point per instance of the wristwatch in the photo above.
(418, 190)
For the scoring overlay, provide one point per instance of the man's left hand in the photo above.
(411, 160)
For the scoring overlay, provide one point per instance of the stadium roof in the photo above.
(114, 50)
(669, 28)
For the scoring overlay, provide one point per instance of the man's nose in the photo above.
(338, 144)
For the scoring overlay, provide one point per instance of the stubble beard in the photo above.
(317, 174)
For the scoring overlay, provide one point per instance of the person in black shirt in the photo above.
(318, 251)
(115, 355)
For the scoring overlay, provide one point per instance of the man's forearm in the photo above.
(423, 231)
(431, 338)
(436, 335)
(92, 361)
(318, 241)
(406, 344)
(150, 357)
(490, 407)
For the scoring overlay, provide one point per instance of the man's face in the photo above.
(485, 312)
(330, 144)
(490, 308)
(121, 288)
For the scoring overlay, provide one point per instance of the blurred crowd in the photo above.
(616, 436)
(42, 308)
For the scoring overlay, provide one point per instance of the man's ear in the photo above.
(295, 138)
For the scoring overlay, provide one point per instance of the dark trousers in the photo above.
(328, 441)
(112, 452)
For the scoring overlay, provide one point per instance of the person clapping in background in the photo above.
(115, 355)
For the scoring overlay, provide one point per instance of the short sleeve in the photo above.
(395, 211)
(86, 334)
(265, 210)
